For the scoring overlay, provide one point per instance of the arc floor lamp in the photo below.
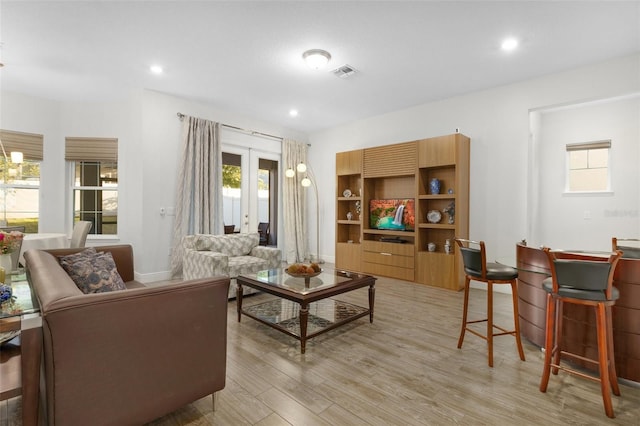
(308, 180)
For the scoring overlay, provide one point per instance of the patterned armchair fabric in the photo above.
(231, 255)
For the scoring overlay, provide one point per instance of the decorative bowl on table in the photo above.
(300, 270)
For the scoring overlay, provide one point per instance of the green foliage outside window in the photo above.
(19, 193)
(231, 176)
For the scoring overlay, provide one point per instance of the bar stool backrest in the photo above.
(582, 274)
(630, 249)
(474, 259)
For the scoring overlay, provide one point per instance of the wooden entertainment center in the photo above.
(403, 172)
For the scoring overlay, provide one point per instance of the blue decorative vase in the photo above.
(434, 186)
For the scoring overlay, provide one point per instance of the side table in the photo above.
(20, 358)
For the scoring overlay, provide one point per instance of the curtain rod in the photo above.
(240, 129)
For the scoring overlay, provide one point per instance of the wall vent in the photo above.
(344, 71)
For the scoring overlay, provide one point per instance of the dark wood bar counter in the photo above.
(579, 321)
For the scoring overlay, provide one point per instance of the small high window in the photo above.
(588, 166)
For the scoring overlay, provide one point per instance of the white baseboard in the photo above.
(153, 277)
(497, 288)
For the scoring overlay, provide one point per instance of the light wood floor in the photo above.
(404, 369)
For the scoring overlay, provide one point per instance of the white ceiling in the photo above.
(245, 57)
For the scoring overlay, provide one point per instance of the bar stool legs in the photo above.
(606, 361)
(516, 318)
(585, 282)
(476, 268)
(490, 334)
(613, 375)
(464, 312)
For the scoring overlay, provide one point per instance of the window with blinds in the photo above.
(95, 182)
(588, 166)
(20, 179)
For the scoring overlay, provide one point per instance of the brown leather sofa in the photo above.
(127, 357)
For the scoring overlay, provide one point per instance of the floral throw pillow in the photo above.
(86, 253)
(93, 272)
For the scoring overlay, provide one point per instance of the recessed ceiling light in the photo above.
(293, 113)
(156, 69)
(316, 58)
(509, 44)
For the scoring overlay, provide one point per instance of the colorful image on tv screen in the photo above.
(392, 214)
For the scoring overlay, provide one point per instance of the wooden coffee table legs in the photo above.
(304, 316)
(372, 298)
(267, 312)
(239, 299)
(304, 319)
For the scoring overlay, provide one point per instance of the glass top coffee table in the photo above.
(307, 309)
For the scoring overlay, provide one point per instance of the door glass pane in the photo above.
(268, 197)
(263, 195)
(232, 190)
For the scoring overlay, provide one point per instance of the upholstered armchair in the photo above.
(231, 255)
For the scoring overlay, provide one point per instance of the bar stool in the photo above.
(630, 247)
(589, 283)
(476, 268)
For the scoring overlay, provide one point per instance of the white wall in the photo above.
(32, 115)
(148, 132)
(561, 216)
(56, 121)
(497, 121)
(161, 148)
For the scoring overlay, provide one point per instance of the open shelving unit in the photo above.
(403, 171)
(445, 158)
(348, 231)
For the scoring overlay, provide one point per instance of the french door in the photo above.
(251, 185)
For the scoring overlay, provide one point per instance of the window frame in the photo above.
(31, 146)
(5, 186)
(72, 208)
(90, 150)
(586, 146)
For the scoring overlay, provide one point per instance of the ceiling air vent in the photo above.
(344, 71)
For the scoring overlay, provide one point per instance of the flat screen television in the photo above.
(397, 214)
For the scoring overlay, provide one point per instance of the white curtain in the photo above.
(295, 205)
(199, 190)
